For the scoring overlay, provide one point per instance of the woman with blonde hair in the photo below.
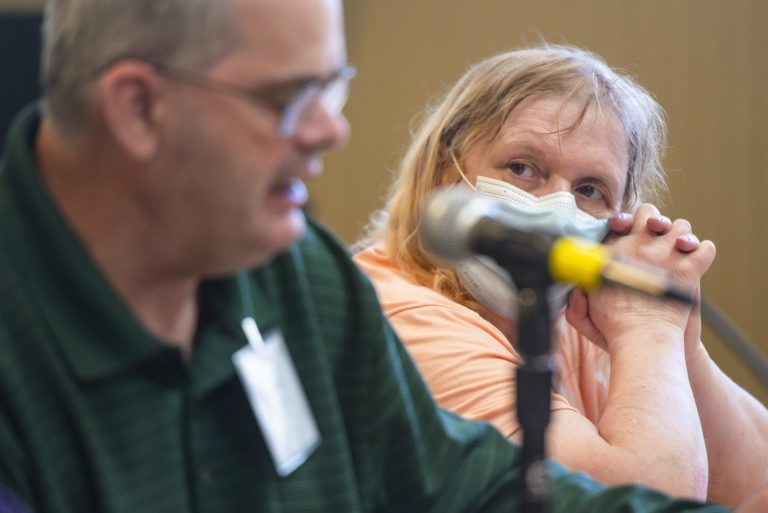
(636, 399)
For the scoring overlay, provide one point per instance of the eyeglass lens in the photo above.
(332, 96)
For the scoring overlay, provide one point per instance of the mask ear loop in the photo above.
(458, 168)
(463, 177)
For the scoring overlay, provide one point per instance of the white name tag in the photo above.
(277, 398)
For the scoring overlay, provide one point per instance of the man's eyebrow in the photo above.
(288, 83)
(286, 87)
(301, 80)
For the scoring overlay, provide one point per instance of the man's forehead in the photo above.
(296, 36)
(313, 18)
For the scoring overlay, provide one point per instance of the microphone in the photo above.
(456, 224)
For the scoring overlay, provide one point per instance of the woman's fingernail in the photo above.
(689, 237)
(623, 216)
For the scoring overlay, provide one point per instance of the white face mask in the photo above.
(555, 214)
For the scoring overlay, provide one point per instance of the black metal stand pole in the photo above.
(534, 388)
(527, 263)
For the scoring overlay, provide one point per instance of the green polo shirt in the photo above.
(97, 415)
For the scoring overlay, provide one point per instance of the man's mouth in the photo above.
(291, 191)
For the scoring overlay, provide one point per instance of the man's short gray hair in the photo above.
(83, 37)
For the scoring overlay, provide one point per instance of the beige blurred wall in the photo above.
(705, 60)
(20, 6)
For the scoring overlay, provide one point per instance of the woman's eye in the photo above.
(590, 192)
(521, 169)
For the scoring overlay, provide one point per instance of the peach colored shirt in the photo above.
(468, 363)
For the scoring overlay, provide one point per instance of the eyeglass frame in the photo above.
(332, 91)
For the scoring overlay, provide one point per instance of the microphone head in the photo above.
(447, 219)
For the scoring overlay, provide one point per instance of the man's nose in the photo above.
(322, 130)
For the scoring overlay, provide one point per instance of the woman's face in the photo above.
(589, 161)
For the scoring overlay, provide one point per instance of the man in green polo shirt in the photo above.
(174, 336)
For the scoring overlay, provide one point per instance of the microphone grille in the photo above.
(447, 219)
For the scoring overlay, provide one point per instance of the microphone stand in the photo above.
(534, 389)
(527, 264)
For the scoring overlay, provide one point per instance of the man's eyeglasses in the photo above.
(293, 101)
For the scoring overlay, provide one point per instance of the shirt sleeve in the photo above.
(13, 486)
(468, 364)
(583, 372)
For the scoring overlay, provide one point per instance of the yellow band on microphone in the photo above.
(577, 261)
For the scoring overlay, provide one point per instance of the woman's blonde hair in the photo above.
(474, 110)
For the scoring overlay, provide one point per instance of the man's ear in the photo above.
(128, 95)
